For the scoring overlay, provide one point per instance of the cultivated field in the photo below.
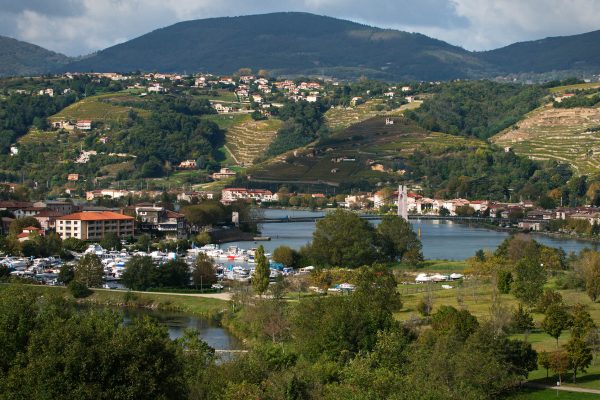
(249, 139)
(557, 134)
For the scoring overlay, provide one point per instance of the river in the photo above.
(216, 336)
(442, 240)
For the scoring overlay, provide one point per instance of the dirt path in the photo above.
(563, 388)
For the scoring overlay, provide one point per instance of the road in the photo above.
(226, 296)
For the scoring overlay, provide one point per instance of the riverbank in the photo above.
(208, 306)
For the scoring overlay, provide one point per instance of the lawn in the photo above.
(545, 394)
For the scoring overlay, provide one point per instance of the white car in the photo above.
(217, 286)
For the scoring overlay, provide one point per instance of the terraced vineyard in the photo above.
(557, 134)
(341, 118)
(362, 145)
(249, 139)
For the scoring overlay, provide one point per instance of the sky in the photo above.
(78, 27)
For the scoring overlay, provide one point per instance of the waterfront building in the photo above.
(93, 225)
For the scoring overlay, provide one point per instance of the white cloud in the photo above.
(80, 26)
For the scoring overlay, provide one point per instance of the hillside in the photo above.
(250, 139)
(22, 58)
(557, 134)
(286, 43)
(365, 151)
(575, 53)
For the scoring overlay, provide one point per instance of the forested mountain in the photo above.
(575, 53)
(287, 43)
(296, 43)
(22, 58)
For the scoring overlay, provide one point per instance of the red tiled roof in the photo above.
(96, 216)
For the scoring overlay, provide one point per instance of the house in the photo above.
(47, 218)
(161, 220)
(106, 193)
(532, 225)
(49, 92)
(84, 124)
(73, 177)
(312, 98)
(188, 164)
(223, 173)
(14, 150)
(156, 88)
(28, 211)
(189, 196)
(15, 207)
(93, 225)
(221, 109)
(406, 88)
(62, 207)
(229, 195)
(356, 101)
(27, 232)
(257, 98)
(63, 124)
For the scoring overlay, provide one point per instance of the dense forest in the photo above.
(303, 123)
(480, 109)
(485, 173)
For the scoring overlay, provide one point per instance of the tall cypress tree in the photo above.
(260, 279)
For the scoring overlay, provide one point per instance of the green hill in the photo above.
(286, 43)
(22, 58)
(575, 53)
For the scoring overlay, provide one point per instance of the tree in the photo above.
(548, 298)
(89, 270)
(262, 272)
(556, 320)
(285, 255)
(529, 282)
(174, 273)
(140, 273)
(544, 359)
(559, 363)
(203, 272)
(581, 321)
(66, 274)
(78, 289)
(74, 244)
(343, 239)
(522, 321)
(580, 355)
(110, 241)
(505, 279)
(449, 320)
(591, 273)
(143, 243)
(398, 241)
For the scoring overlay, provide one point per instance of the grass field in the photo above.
(549, 133)
(99, 108)
(547, 394)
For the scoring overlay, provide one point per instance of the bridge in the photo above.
(379, 216)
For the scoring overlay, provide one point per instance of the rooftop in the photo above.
(96, 216)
